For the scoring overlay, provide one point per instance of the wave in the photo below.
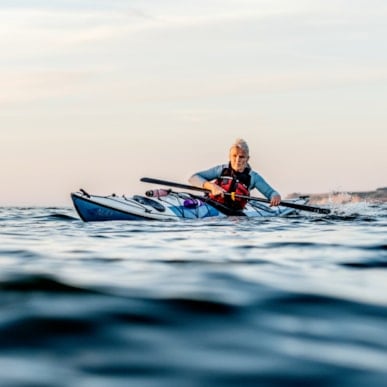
(270, 337)
(38, 283)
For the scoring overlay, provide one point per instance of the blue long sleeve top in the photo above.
(256, 180)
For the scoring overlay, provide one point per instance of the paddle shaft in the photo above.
(193, 188)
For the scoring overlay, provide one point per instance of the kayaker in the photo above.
(236, 176)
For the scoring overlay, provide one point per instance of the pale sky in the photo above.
(98, 93)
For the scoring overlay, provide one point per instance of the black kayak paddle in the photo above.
(193, 188)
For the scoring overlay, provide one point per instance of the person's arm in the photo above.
(258, 182)
(204, 179)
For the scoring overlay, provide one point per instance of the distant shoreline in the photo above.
(377, 196)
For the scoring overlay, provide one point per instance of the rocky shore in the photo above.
(377, 196)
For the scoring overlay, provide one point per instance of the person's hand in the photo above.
(215, 189)
(275, 200)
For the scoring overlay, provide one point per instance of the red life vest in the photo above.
(232, 185)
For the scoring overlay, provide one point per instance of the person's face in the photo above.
(238, 159)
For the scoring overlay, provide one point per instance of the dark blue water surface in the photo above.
(236, 302)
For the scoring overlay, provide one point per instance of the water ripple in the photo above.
(273, 302)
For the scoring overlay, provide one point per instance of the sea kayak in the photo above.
(166, 205)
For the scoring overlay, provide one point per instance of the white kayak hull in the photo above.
(175, 205)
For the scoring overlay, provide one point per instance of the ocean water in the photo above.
(254, 302)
